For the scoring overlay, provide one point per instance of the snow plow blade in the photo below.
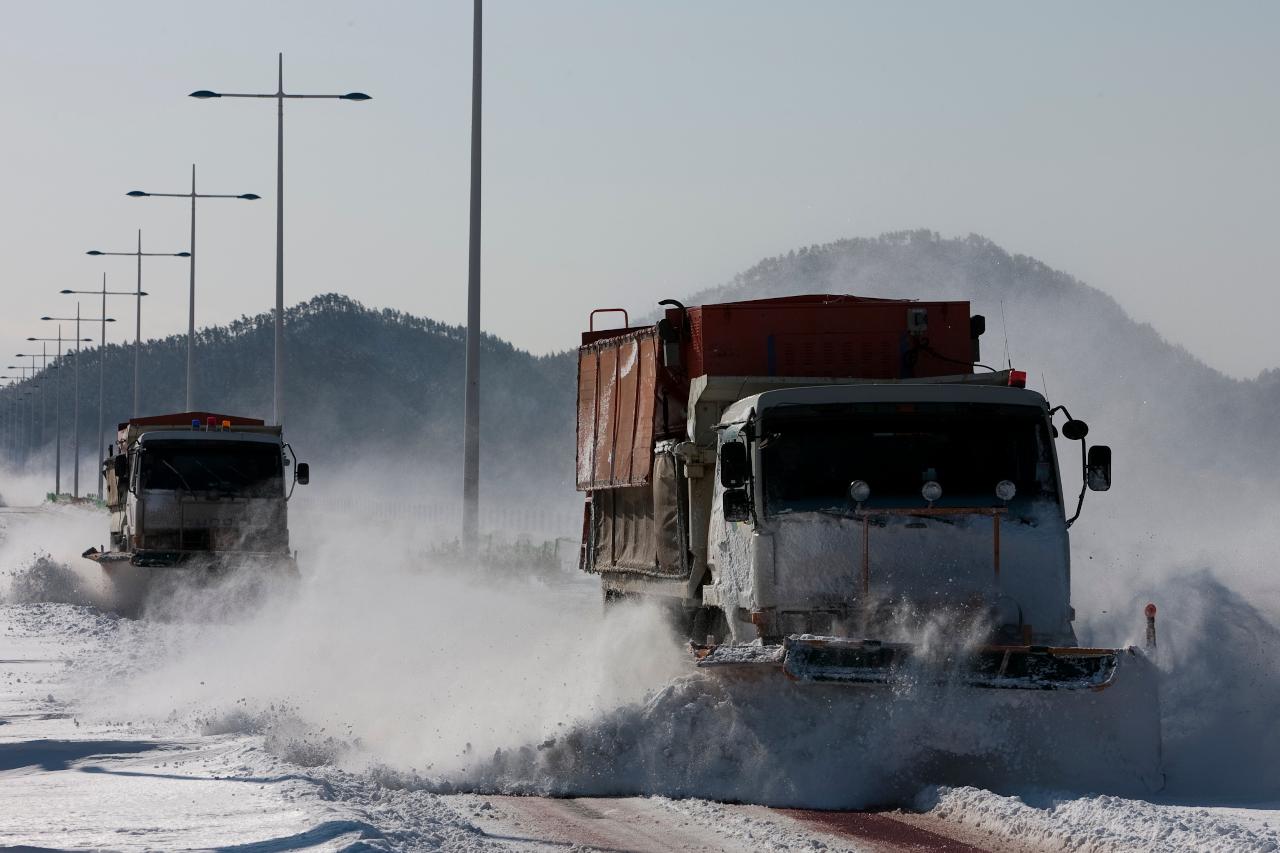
(1080, 718)
(838, 660)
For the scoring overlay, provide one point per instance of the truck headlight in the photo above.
(859, 491)
(1005, 490)
(931, 491)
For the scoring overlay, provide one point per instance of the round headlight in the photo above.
(931, 491)
(1005, 490)
(859, 491)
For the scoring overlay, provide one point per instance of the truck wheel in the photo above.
(612, 598)
(709, 626)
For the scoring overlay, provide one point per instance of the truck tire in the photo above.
(709, 626)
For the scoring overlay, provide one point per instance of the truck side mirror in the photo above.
(737, 505)
(120, 466)
(302, 473)
(1098, 468)
(734, 468)
(1075, 430)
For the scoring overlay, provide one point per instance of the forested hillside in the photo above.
(365, 389)
(382, 390)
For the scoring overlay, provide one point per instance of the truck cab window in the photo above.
(811, 454)
(213, 468)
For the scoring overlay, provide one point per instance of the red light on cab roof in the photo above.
(1017, 379)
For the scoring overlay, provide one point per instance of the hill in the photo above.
(368, 391)
(380, 391)
(1121, 375)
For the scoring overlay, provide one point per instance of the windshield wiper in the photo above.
(222, 485)
(178, 474)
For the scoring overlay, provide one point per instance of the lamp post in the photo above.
(137, 341)
(102, 360)
(75, 402)
(21, 432)
(9, 445)
(280, 95)
(57, 411)
(191, 302)
(37, 435)
(471, 392)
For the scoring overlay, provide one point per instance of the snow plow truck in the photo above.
(196, 495)
(831, 490)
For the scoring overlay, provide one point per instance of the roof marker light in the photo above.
(210, 426)
(1017, 379)
(226, 424)
(195, 423)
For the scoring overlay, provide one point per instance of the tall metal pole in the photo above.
(471, 415)
(191, 306)
(57, 416)
(137, 339)
(279, 349)
(44, 408)
(279, 94)
(191, 300)
(22, 432)
(102, 400)
(75, 419)
(31, 442)
(37, 436)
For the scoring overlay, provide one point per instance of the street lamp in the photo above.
(102, 360)
(75, 407)
(57, 409)
(37, 436)
(10, 421)
(22, 434)
(191, 302)
(137, 341)
(280, 95)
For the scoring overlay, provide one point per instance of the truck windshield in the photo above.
(242, 468)
(811, 454)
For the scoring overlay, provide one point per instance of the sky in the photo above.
(637, 151)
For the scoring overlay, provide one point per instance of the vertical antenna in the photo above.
(1008, 359)
(1044, 383)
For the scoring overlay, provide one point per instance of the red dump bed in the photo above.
(831, 336)
(633, 383)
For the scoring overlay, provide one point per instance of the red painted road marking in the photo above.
(881, 829)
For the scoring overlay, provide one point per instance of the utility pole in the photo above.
(280, 95)
(138, 293)
(75, 438)
(471, 403)
(191, 300)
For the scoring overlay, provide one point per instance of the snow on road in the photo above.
(67, 783)
(347, 723)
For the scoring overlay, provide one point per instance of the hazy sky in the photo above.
(641, 150)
